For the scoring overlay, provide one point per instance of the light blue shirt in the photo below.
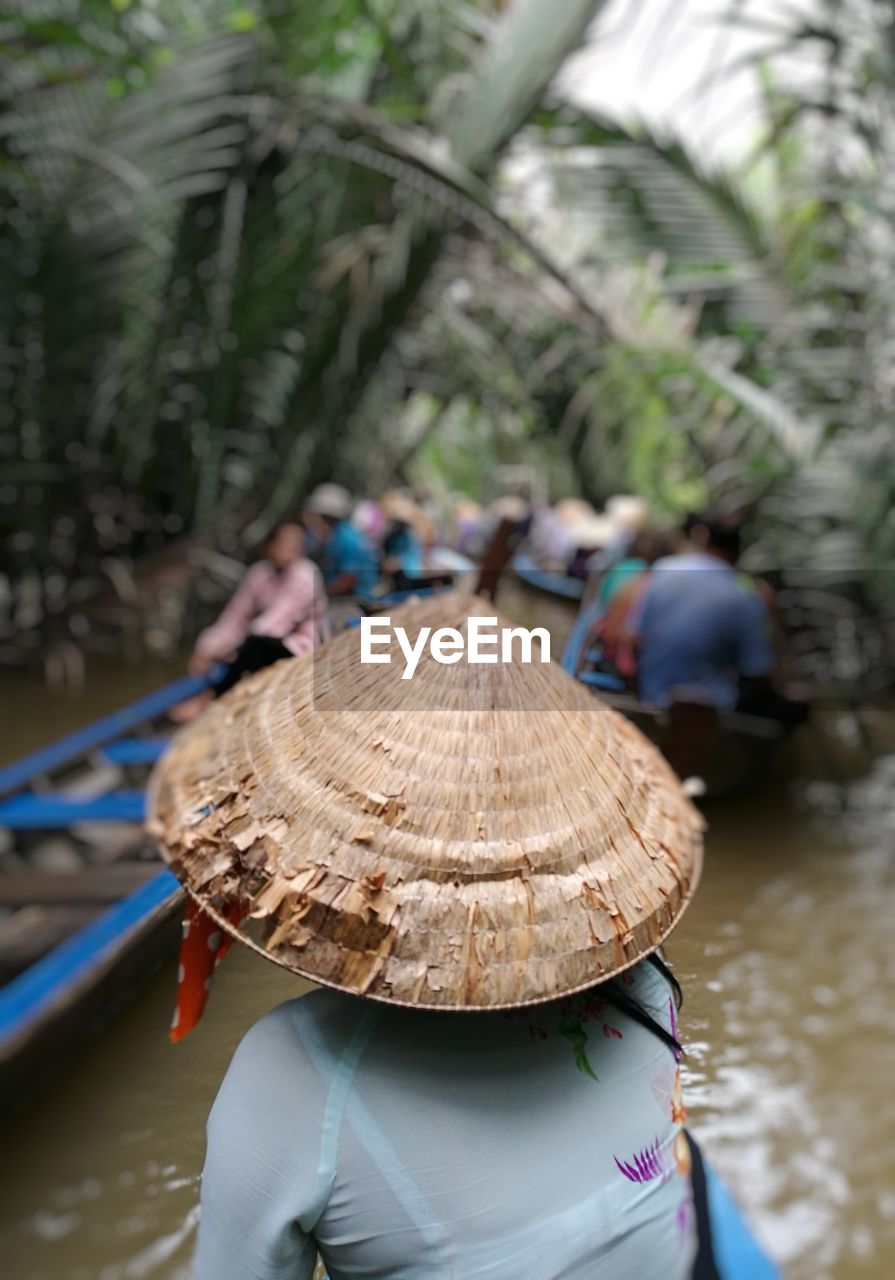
(408, 1145)
(701, 626)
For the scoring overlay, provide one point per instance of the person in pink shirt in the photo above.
(278, 610)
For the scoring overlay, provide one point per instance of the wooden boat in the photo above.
(87, 908)
(550, 581)
(728, 754)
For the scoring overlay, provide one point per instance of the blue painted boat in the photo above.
(549, 581)
(72, 991)
(76, 942)
(49, 762)
(738, 1255)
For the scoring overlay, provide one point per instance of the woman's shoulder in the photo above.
(257, 572)
(303, 571)
(276, 1033)
(319, 1021)
(292, 1047)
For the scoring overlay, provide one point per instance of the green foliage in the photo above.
(250, 244)
(206, 265)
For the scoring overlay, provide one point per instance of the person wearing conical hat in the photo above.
(477, 864)
(346, 557)
(402, 543)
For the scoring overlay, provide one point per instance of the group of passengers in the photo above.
(675, 617)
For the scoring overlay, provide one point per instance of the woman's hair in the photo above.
(277, 529)
(274, 532)
(722, 530)
(616, 994)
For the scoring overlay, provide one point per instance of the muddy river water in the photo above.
(787, 960)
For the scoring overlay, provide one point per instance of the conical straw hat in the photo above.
(475, 837)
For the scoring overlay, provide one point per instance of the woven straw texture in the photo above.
(478, 837)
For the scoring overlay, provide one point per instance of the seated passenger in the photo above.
(645, 550)
(346, 557)
(704, 632)
(402, 549)
(620, 593)
(402, 545)
(278, 610)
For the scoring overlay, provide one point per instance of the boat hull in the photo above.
(53, 1007)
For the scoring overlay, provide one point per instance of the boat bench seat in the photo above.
(29, 811)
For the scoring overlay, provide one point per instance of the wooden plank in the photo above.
(99, 885)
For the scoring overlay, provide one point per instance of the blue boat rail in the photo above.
(576, 654)
(55, 979)
(109, 740)
(74, 746)
(738, 1255)
(42, 793)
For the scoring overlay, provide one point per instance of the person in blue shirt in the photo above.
(402, 547)
(704, 632)
(346, 557)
